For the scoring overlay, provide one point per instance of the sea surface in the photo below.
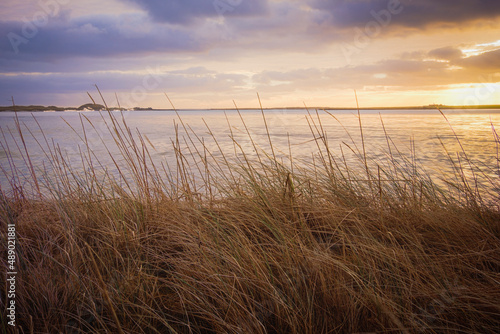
(425, 136)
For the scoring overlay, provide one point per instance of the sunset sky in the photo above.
(207, 53)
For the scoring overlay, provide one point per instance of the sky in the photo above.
(218, 53)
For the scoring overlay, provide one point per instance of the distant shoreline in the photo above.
(98, 107)
(85, 107)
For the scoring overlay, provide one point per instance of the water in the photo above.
(415, 133)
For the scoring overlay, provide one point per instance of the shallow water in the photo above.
(418, 134)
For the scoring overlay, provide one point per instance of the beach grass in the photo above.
(233, 242)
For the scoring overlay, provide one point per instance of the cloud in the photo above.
(295, 76)
(395, 74)
(446, 53)
(407, 13)
(194, 79)
(94, 36)
(188, 11)
(483, 61)
(489, 61)
(285, 26)
(179, 27)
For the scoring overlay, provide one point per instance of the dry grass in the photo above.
(228, 244)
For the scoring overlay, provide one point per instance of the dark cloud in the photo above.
(187, 11)
(489, 61)
(485, 61)
(286, 26)
(96, 36)
(408, 13)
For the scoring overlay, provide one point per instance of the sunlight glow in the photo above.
(479, 49)
(473, 94)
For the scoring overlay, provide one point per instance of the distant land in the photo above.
(98, 107)
(87, 107)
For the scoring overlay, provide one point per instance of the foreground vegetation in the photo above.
(225, 243)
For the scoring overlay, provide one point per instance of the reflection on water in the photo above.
(421, 134)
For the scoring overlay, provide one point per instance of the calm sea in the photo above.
(420, 135)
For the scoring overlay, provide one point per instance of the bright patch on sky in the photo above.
(472, 94)
(273, 83)
(479, 49)
(380, 76)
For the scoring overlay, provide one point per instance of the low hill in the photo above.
(91, 106)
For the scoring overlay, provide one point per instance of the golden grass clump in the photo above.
(225, 243)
